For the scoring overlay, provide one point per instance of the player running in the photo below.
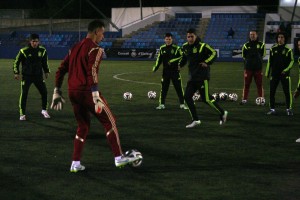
(199, 56)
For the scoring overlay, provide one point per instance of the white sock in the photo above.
(118, 157)
(76, 163)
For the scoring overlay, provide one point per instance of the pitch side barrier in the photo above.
(130, 53)
(58, 53)
(152, 53)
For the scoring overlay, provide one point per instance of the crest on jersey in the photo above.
(194, 50)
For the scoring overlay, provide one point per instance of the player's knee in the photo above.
(82, 131)
(79, 138)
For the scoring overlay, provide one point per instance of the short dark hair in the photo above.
(168, 35)
(93, 25)
(34, 36)
(192, 30)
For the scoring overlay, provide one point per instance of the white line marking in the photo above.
(141, 82)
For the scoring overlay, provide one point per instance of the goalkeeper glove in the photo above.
(98, 102)
(57, 100)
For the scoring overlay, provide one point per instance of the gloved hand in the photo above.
(57, 100)
(98, 102)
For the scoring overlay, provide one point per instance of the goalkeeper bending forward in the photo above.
(82, 64)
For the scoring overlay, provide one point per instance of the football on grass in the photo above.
(196, 96)
(233, 97)
(151, 94)
(127, 96)
(133, 153)
(223, 96)
(260, 101)
(216, 96)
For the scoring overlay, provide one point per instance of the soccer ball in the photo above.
(260, 101)
(133, 153)
(223, 96)
(151, 94)
(216, 96)
(233, 97)
(127, 96)
(196, 96)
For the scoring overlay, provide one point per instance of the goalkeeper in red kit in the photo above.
(82, 65)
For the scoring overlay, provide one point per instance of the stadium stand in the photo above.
(211, 30)
(154, 36)
(57, 39)
(216, 33)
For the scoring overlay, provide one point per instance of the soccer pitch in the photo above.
(253, 156)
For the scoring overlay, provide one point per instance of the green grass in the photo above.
(253, 156)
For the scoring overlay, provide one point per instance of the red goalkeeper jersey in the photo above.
(82, 64)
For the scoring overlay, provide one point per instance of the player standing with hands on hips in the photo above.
(169, 55)
(199, 56)
(82, 65)
(34, 61)
(280, 63)
(253, 52)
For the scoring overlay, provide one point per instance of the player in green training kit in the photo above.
(297, 91)
(199, 56)
(280, 63)
(169, 55)
(34, 61)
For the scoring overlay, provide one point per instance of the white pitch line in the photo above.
(141, 82)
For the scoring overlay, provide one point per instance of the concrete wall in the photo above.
(286, 13)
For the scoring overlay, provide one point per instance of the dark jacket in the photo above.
(195, 54)
(34, 61)
(169, 55)
(281, 60)
(253, 53)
